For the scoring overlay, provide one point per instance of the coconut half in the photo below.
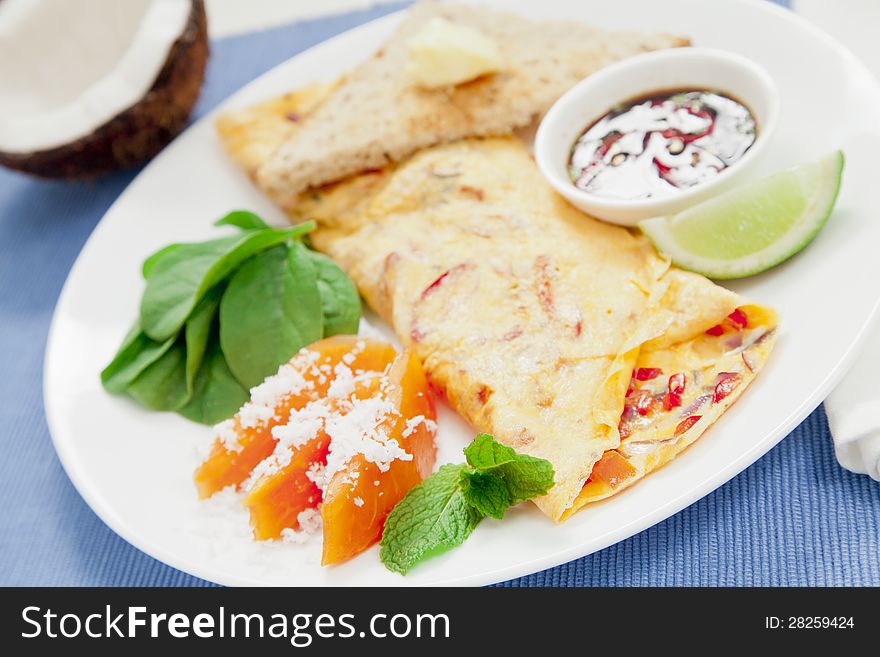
(91, 86)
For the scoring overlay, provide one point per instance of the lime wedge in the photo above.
(753, 227)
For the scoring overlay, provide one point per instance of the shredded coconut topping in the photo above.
(309, 523)
(413, 423)
(343, 384)
(363, 431)
(252, 415)
(354, 426)
(303, 425)
(269, 394)
(315, 473)
(225, 433)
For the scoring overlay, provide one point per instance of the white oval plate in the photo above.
(134, 467)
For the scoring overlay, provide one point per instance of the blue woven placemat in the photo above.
(793, 518)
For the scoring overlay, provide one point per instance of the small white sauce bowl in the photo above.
(663, 70)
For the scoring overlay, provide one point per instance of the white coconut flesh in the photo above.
(67, 68)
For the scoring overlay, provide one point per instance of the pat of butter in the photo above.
(443, 54)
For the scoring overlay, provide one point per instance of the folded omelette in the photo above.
(566, 338)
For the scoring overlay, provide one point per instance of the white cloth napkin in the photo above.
(853, 410)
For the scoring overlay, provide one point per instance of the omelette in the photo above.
(566, 338)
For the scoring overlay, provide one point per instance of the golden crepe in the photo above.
(534, 320)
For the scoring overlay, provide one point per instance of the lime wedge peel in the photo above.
(753, 227)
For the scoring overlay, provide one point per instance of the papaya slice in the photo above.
(276, 501)
(231, 461)
(612, 469)
(360, 496)
(609, 472)
(279, 494)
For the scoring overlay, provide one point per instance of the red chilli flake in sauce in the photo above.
(657, 145)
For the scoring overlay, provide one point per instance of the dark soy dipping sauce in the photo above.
(657, 145)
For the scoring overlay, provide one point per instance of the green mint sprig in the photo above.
(442, 511)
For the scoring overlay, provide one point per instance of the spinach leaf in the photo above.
(269, 311)
(176, 280)
(180, 279)
(150, 262)
(136, 354)
(162, 386)
(217, 394)
(340, 302)
(242, 219)
(196, 333)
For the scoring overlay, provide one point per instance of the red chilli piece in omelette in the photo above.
(442, 277)
(727, 383)
(737, 321)
(545, 273)
(644, 402)
(686, 424)
(416, 333)
(675, 391)
(647, 373)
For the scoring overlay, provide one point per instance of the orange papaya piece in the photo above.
(248, 436)
(276, 501)
(360, 496)
(612, 469)
(279, 495)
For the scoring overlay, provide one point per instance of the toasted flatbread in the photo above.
(376, 115)
(251, 135)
